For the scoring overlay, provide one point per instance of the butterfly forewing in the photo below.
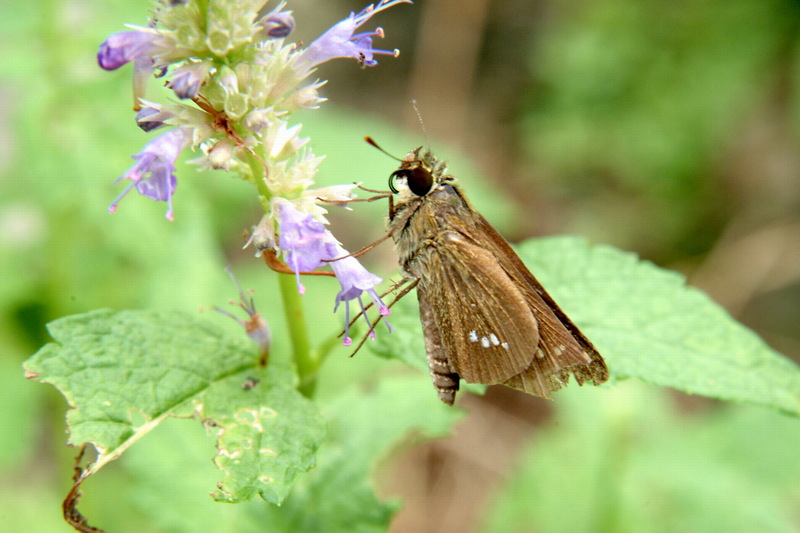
(561, 341)
(486, 326)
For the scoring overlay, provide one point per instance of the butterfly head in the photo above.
(419, 174)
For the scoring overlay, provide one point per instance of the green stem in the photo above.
(306, 361)
(258, 175)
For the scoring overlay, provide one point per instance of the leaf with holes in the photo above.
(123, 373)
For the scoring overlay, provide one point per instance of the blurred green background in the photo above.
(665, 128)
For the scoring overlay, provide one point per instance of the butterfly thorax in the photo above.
(420, 222)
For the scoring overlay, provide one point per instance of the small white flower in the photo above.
(282, 142)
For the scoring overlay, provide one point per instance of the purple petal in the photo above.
(352, 276)
(186, 80)
(120, 48)
(341, 41)
(355, 280)
(146, 120)
(278, 24)
(153, 174)
(305, 242)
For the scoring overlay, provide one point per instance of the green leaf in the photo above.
(645, 321)
(649, 325)
(337, 497)
(267, 433)
(123, 373)
(366, 423)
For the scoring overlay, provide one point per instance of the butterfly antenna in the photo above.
(421, 122)
(371, 141)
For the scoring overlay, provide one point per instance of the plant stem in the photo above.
(305, 360)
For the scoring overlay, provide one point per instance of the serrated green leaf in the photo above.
(267, 433)
(337, 497)
(645, 321)
(123, 373)
(649, 325)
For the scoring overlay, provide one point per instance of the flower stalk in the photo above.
(306, 363)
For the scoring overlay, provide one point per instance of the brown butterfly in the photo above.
(484, 316)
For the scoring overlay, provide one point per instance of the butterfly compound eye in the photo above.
(419, 180)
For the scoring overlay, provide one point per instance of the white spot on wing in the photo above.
(505, 345)
(473, 336)
(485, 342)
(494, 339)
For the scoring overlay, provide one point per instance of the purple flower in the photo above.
(186, 80)
(355, 279)
(153, 174)
(151, 116)
(304, 241)
(277, 23)
(146, 118)
(120, 48)
(342, 41)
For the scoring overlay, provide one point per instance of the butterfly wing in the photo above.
(497, 324)
(563, 347)
(485, 325)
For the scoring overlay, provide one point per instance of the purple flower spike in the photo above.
(123, 47)
(355, 279)
(153, 174)
(342, 41)
(304, 241)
